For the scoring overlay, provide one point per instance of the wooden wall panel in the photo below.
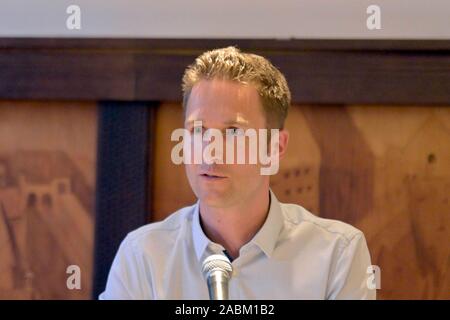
(408, 227)
(384, 169)
(172, 190)
(47, 183)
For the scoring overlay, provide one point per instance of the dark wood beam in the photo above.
(318, 71)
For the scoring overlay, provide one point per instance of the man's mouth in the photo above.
(211, 176)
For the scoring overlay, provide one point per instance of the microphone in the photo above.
(217, 271)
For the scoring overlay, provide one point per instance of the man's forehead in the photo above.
(223, 93)
(223, 84)
(217, 102)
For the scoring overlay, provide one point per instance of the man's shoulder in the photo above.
(160, 230)
(300, 217)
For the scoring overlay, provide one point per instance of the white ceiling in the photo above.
(404, 19)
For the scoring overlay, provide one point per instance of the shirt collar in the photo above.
(201, 241)
(266, 238)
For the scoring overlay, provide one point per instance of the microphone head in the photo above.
(217, 262)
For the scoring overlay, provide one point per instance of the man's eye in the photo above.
(235, 131)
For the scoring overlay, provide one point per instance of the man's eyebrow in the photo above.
(236, 122)
(228, 123)
(191, 121)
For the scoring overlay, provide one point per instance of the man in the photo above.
(277, 251)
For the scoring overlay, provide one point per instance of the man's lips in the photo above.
(212, 176)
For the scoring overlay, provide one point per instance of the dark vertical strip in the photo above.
(122, 180)
(151, 157)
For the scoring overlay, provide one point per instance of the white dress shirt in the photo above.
(295, 255)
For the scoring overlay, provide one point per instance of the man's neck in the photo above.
(233, 227)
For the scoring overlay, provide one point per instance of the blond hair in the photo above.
(232, 64)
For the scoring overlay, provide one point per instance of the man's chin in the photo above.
(214, 198)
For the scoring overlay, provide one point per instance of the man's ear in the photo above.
(283, 139)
